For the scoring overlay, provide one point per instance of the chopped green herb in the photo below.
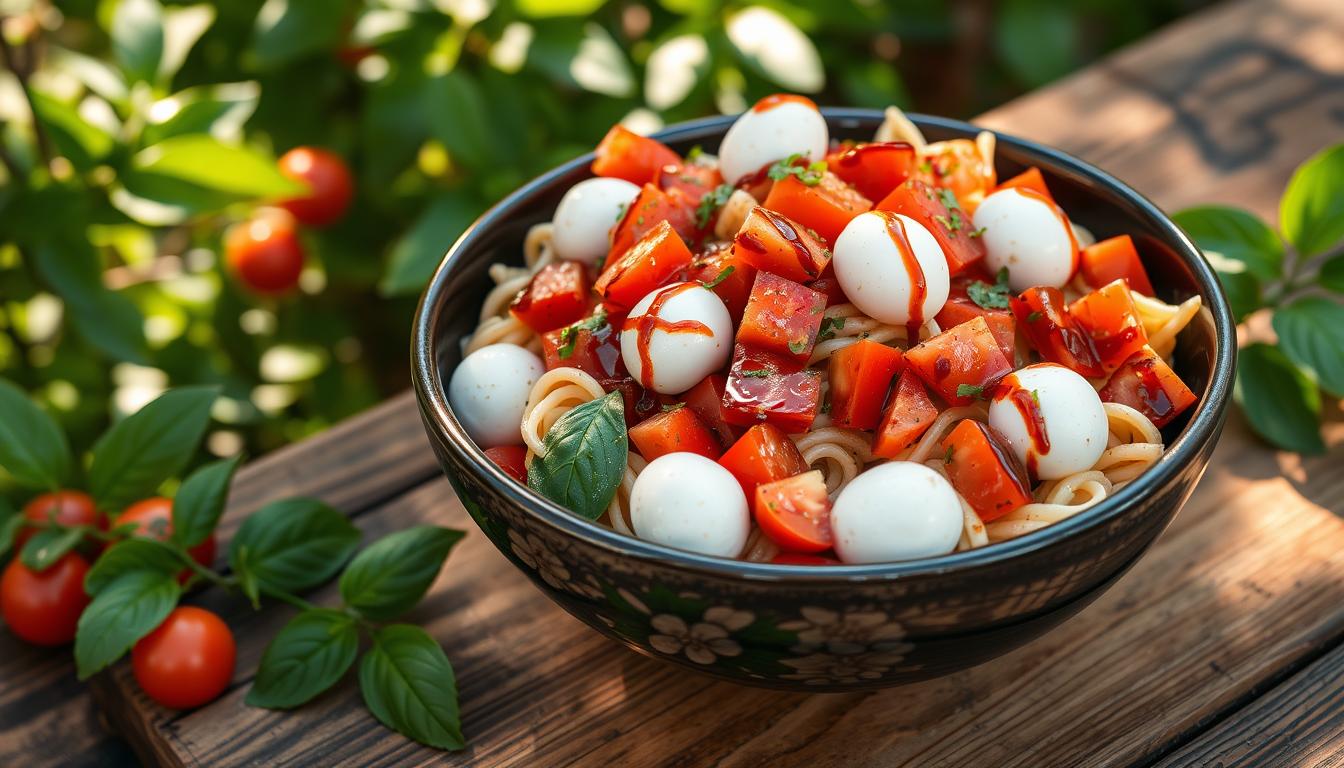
(620, 212)
(810, 174)
(673, 407)
(970, 390)
(1033, 317)
(719, 278)
(1036, 395)
(639, 222)
(759, 373)
(925, 166)
(829, 325)
(976, 232)
(711, 202)
(797, 347)
(569, 335)
(991, 296)
(949, 200)
(948, 458)
(695, 154)
(826, 404)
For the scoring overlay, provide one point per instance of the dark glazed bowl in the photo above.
(842, 627)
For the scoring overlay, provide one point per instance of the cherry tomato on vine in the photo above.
(187, 661)
(154, 518)
(44, 608)
(264, 252)
(329, 182)
(65, 507)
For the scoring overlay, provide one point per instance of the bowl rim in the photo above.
(1203, 427)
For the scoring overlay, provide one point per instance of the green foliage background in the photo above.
(158, 125)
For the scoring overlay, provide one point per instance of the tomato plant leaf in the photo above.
(33, 449)
(10, 523)
(1281, 402)
(1244, 293)
(409, 686)
(1039, 41)
(106, 319)
(306, 658)
(418, 253)
(131, 556)
(205, 162)
(138, 453)
(137, 37)
(392, 574)
(1311, 212)
(78, 140)
(49, 545)
(182, 28)
(1332, 274)
(583, 458)
(290, 29)
(1311, 334)
(1234, 240)
(292, 545)
(200, 501)
(122, 613)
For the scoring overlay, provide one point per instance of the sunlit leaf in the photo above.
(1311, 213)
(182, 28)
(77, 139)
(290, 29)
(1311, 334)
(137, 37)
(1038, 40)
(673, 70)
(219, 110)
(546, 8)
(105, 318)
(1281, 403)
(206, 162)
(771, 43)
(419, 251)
(1223, 232)
(581, 55)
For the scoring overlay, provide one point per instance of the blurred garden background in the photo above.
(135, 132)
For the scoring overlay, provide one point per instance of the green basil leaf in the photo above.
(138, 453)
(584, 457)
(1311, 213)
(1233, 235)
(392, 574)
(131, 556)
(33, 449)
(1244, 293)
(1311, 334)
(1332, 274)
(108, 320)
(49, 545)
(1281, 402)
(290, 29)
(292, 545)
(202, 161)
(137, 37)
(200, 501)
(409, 686)
(306, 658)
(122, 613)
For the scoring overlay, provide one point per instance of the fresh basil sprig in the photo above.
(810, 174)
(711, 203)
(991, 296)
(583, 457)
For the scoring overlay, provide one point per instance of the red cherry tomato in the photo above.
(874, 169)
(676, 431)
(154, 518)
(187, 661)
(649, 264)
(984, 470)
(966, 355)
(44, 608)
(957, 165)
(1114, 259)
(860, 376)
(909, 415)
(1147, 384)
(782, 317)
(795, 512)
(511, 459)
(762, 455)
(951, 227)
(825, 207)
(763, 387)
(68, 508)
(328, 180)
(264, 252)
(556, 296)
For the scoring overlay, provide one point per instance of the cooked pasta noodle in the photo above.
(555, 394)
(846, 324)
(759, 548)
(897, 127)
(839, 453)
(618, 511)
(1056, 500)
(927, 445)
(1163, 322)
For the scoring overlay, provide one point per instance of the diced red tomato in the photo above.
(734, 289)
(1029, 179)
(763, 454)
(768, 388)
(1042, 316)
(556, 296)
(860, 376)
(873, 169)
(677, 430)
(1109, 317)
(1113, 259)
(909, 415)
(627, 155)
(829, 285)
(652, 207)
(985, 470)
(782, 317)
(650, 264)
(795, 512)
(595, 351)
(961, 358)
(694, 181)
(774, 243)
(1148, 385)
(511, 459)
(802, 558)
(960, 309)
(951, 227)
(640, 403)
(825, 207)
(957, 165)
(706, 399)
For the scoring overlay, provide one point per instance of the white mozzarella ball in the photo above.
(871, 263)
(488, 392)
(586, 214)
(1030, 236)
(775, 128)
(1053, 419)
(687, 501)
(678, 357)
(900, 510)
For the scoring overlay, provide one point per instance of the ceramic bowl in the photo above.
(843, 627)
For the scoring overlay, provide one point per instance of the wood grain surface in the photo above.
(1221, 647)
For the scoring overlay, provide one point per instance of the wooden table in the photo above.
(1222, 646)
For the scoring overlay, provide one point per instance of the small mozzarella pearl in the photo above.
(759, 138)
(1071, 413)
(488, 392)
(1030, 236)
(586, 214)
(873, 273)
(687, 501)
(896, 511)
(679, 358)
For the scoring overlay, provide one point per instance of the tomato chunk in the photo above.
(712, 267)
(768, 388)
(1109, 317)
(693, 181)
(795, 512)
(677, 430)
(650, 264)
(830, 286)
(774, 243)
(556, 296)
(874, 169)
(961, 363)
(984, 470)
(1029, 179)
(706, 399)
(651, 208)
(941, 214)
(1148, 385)
(960, 309)
(909, 415)
(825, 207)
(624, 154)
(860, 376)
(1113, 259)
(763, 454)
(1042, 316)
(592, 345)
(511, 459)
(782, 317)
